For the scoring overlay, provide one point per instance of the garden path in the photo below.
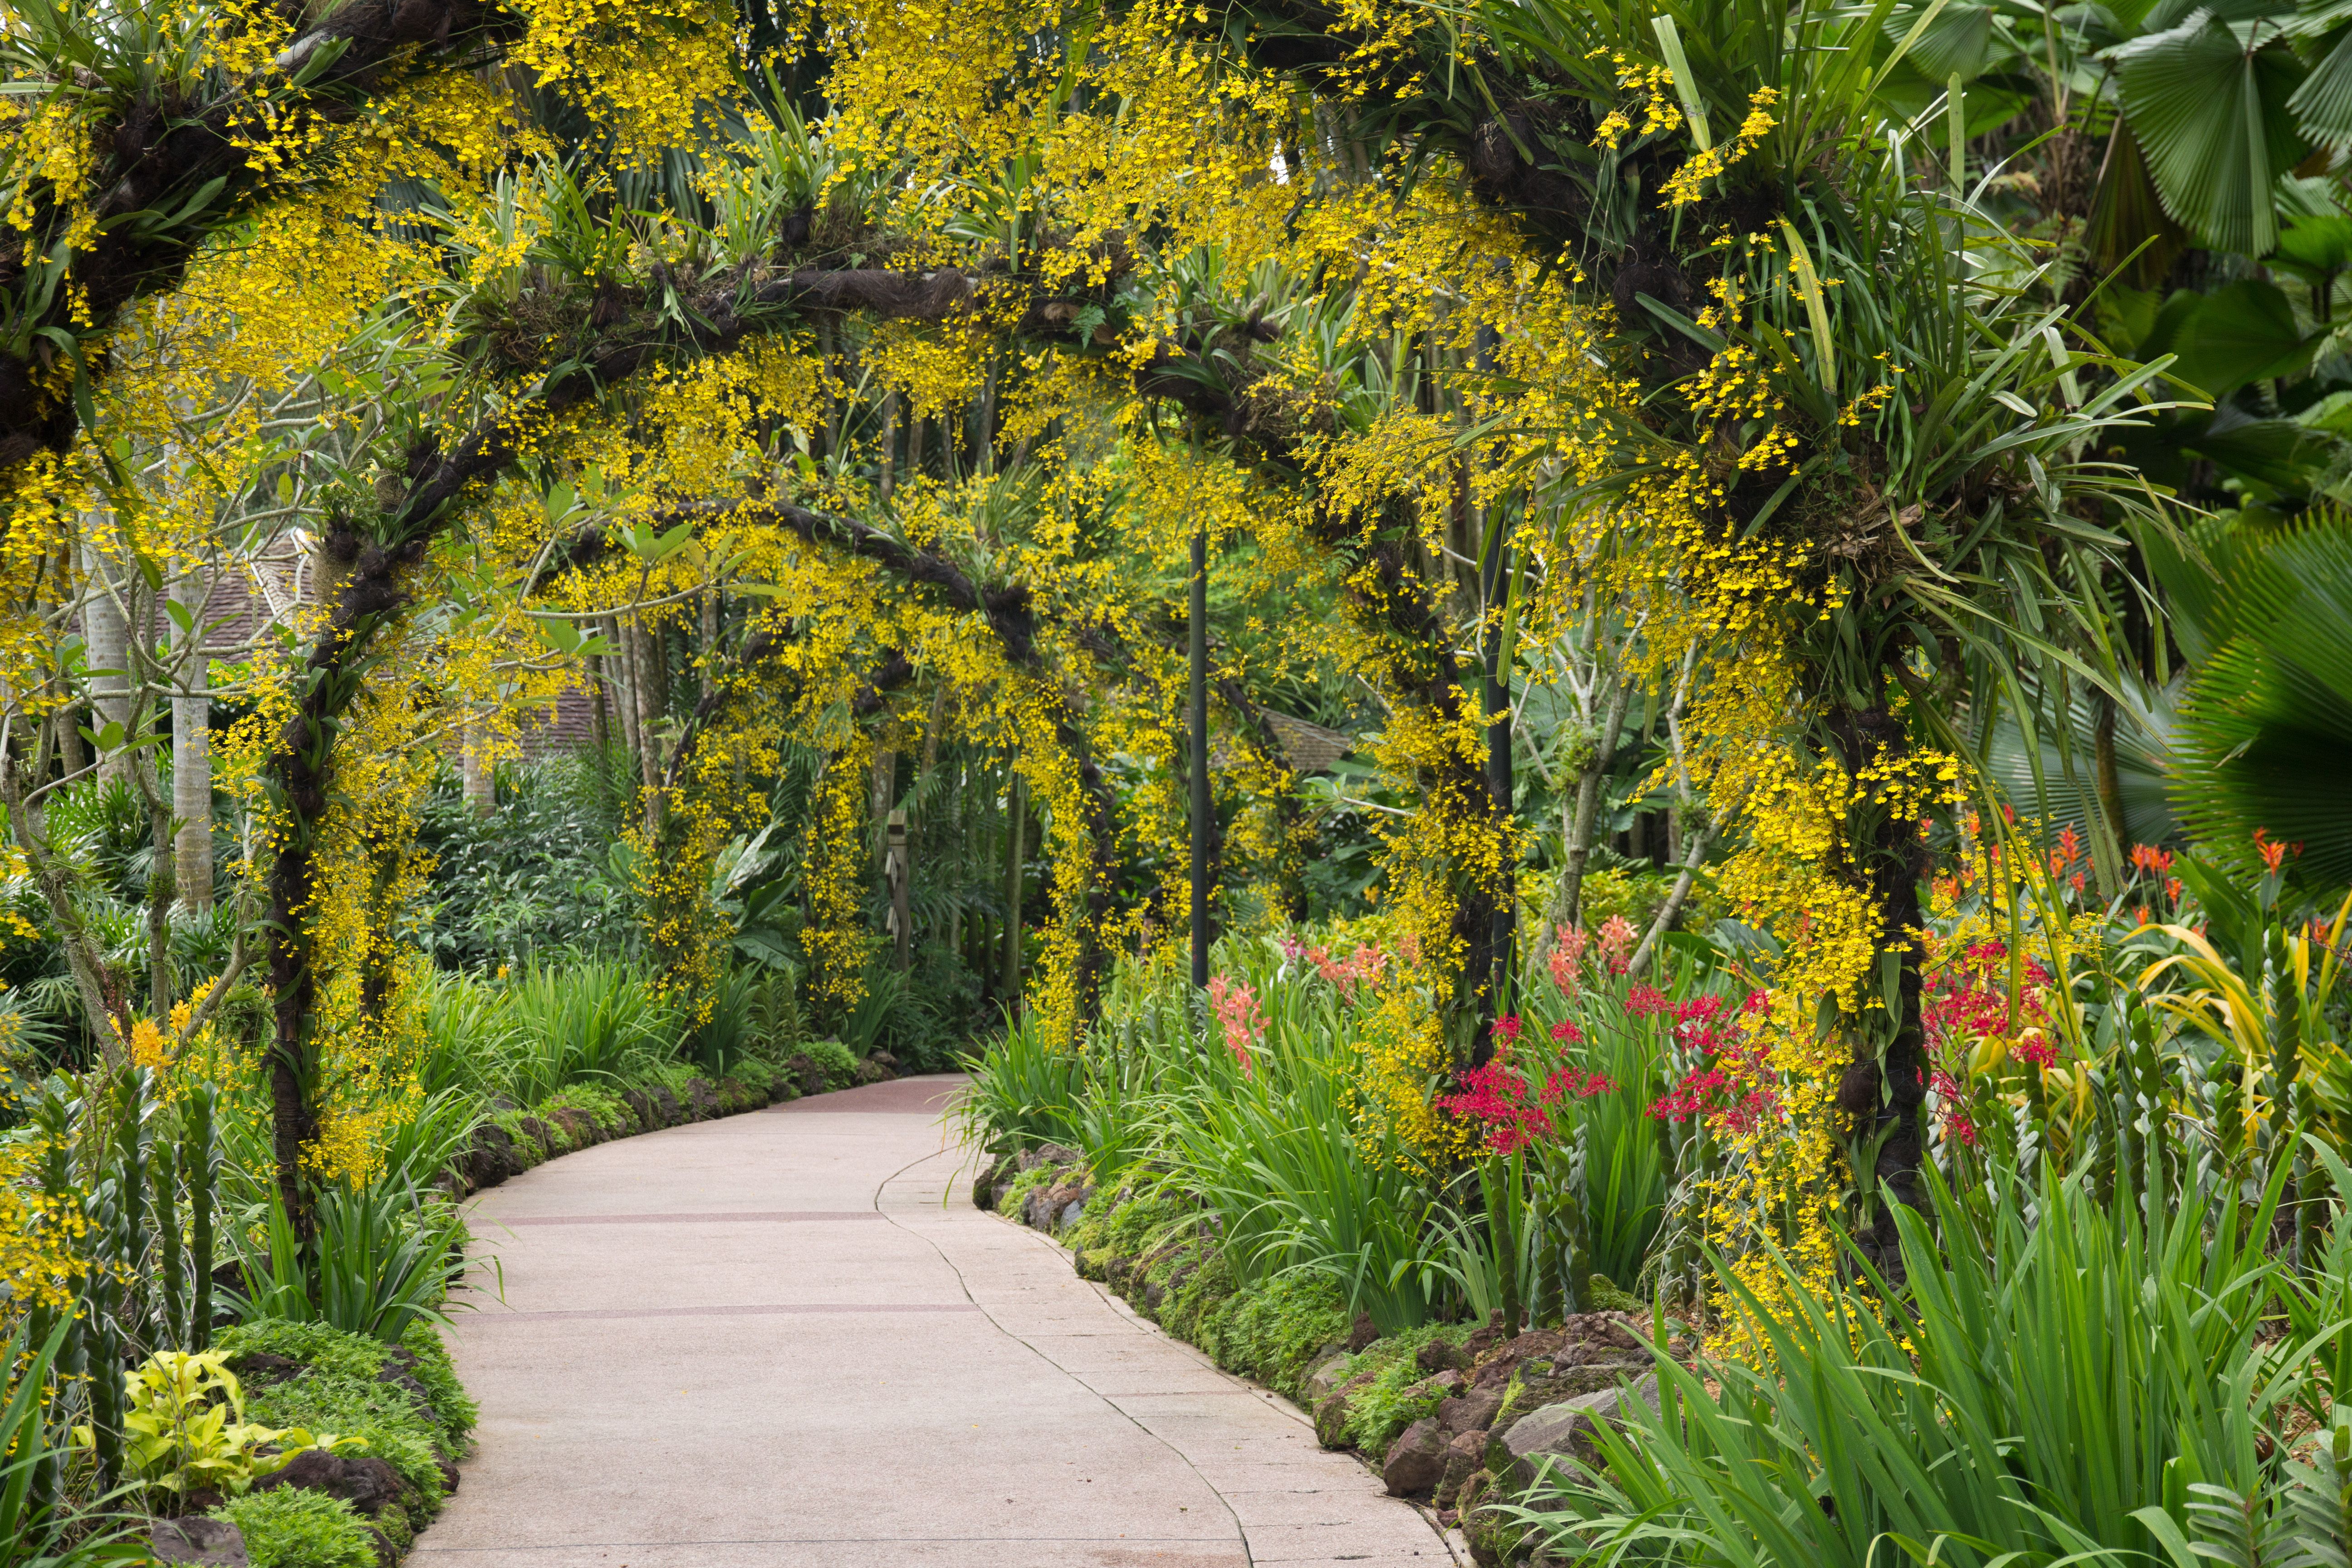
(766, 1341)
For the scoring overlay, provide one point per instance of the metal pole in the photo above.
(1200, 728)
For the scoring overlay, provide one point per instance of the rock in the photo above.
(703, 1099)
(1414, 1460)
(401, 1378)
(1444, 1386)
(579, 1128)
(259, 1369)
(1362, 1332)
(1464, 1457)
(1472, 1411)
(449, 1474)
(1332, 1420)
(641, 1106)
(993, 1179)
(1047, 1154)
(1047, 1204)
(734, 1097)
(212, 1542)
(673, 1114)
(491, 1158)
(540, 1141)
(1330, 1371)
(1437, 1355)
(369, 1485)
(1560, 1432)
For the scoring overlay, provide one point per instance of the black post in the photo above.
(1200, 728)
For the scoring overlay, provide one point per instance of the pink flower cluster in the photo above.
(1512, 1110)
(1360, 970)
(1731, 1086)
(1244, 1023)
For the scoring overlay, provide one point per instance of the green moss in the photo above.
(338, 1393)
(604, 1106)
(315, 1345)
(288, 1528)
(1015, 1195)
(1196, 1294)
(1271, 1333)
(452, 1407)
(529, 1144)
(840, 1067)
(1393, 1399)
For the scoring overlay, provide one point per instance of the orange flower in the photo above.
(2273, 854)
(2148, 857)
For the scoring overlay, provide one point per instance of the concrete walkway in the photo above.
(765, 1341)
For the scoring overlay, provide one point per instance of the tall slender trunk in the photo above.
(478, 781)
(1016, 824)
(1568, 903)
(1885, 1088)
(106, 638)
(191, 748)
(648, 736)
(624, 689)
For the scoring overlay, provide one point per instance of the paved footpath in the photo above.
(767, 1341)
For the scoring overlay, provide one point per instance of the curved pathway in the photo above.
(787, 1340)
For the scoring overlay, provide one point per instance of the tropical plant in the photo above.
(2080, 1386)
(385, 1256)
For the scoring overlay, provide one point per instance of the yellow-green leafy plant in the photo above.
(186, 1430)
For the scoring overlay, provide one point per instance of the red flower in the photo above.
(2273, 854)
(1567, 1033)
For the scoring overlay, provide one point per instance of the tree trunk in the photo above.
(478, 780)
(191, 749)
(1016, 819)
(1568, 903)
(106, 638)
(1885, 1091)
(648, 737)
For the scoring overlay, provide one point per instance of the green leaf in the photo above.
(2321, 106)
(2211, 115)
(2242, 332)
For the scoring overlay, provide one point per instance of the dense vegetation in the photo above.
(1721, 632)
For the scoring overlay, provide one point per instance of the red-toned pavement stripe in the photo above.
(805, 1307)
(779, 1217)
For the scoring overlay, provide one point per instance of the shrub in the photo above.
(2085, 1383)
(1271, 1333)
(840, 1067)
(1394, 1400)
(600, 1101)
(290, 1528)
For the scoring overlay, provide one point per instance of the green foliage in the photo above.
(2079, 1385)
(384, 1257)
(287, 1527)
(536, 881)
(1394, 1398)
(585, 1020)
(840, 1067)
(184, 1429)
(2265, 731)
(600, 1100)
(1271, 1333)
